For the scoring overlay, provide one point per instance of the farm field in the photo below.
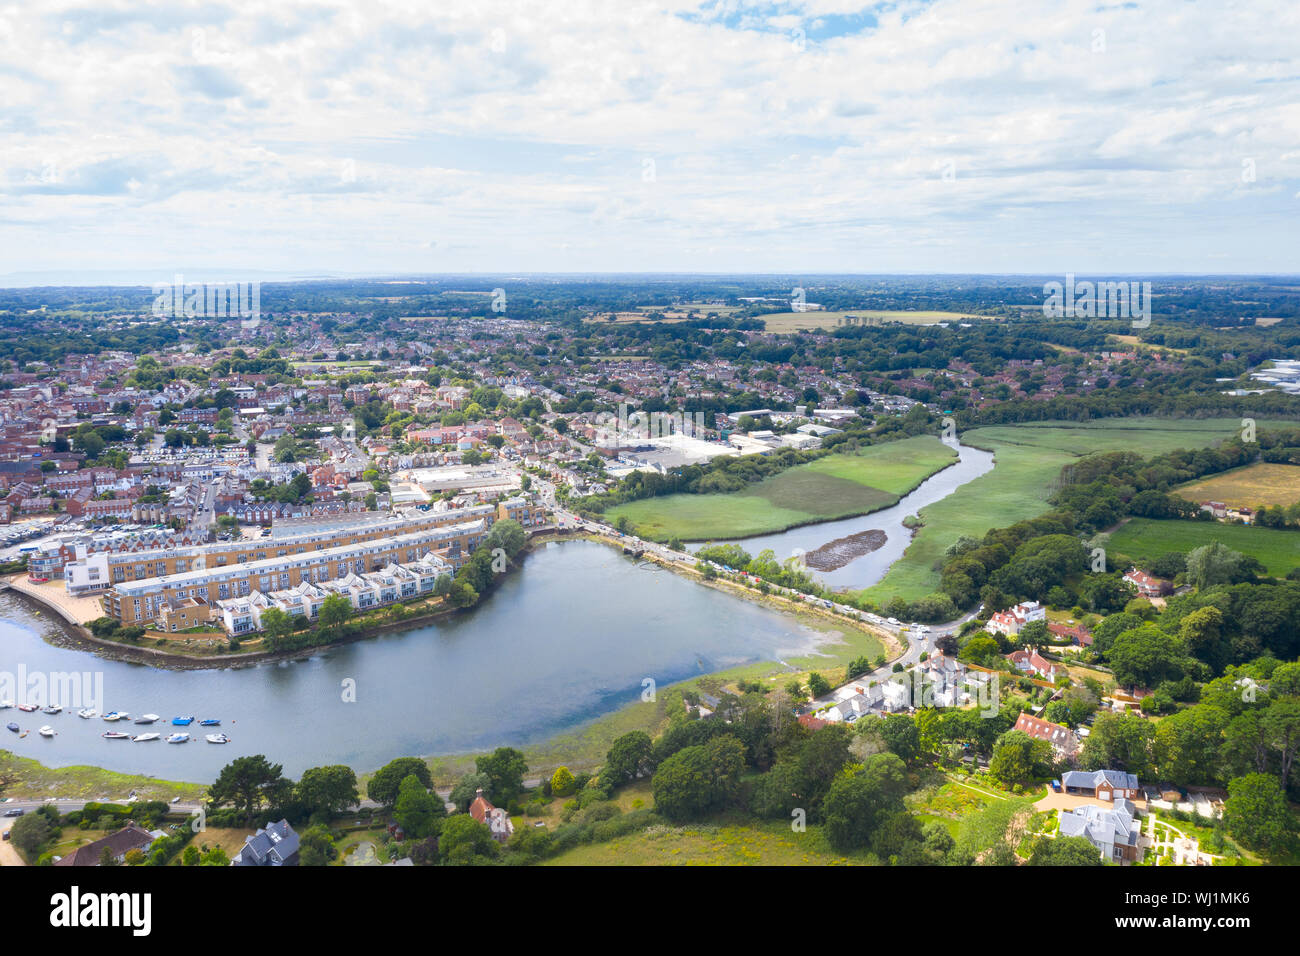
(836, 486)
(781, 322)
(1029, 458)
(1145, 538)
(1259, 484)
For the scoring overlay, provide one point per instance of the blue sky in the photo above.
(504, 135)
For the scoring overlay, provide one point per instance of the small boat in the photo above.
(217, 739)
(177, 738)
(6, 704)
(140, 738)
(209, 722)
(13, 727)
(23, 734)
(27, 708)
(46, 731)
(87, 713)
(146, 718)
(116, 715)
(51, 709)
(182, 721)
(114, 735)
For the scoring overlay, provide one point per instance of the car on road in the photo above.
(15, 812)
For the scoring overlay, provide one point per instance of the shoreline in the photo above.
(558, 742)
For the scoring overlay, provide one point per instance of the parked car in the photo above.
(1056, 785)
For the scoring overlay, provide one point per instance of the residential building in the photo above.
(1101, 784)
(276, 844)
(1114, 831)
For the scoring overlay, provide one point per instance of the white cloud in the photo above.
(960, 135)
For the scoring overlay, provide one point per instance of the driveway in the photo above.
(1068, 801)
(8, 855)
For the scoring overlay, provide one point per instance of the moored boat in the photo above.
(13, 727)
(46, 731)
(217, 739)
(209, 722)
(27, 708)
(146, 718)
(140, 738)
(182, 721)
(116, 715)
(51, 709)
(177, 738)
(87, 713)
(6, 704)
(114, 735)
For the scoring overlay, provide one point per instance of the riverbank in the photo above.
(836, 487)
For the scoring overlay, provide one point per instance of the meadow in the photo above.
(1028, 461)
(1263, 483)
(1142, 539)
(836, 486)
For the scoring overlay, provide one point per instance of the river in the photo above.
(569, 637)
(870, 568)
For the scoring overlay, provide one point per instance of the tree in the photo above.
(1019, 759)
(1064, 851)
(630, 757)
(1187, 744)
(467, 787)
(1216, 563)
(818, 686)
(30, 832)
(383, 786)
(861, 797)
(329, 790)
(505, 768)
(248, 784)
(1120, 742)
(901, 736)
(698, 780)
(1257, 814)
(316, 847)
(334, 610)
(418, 811)
(562, 782)
(1145, 656)
(465, 841)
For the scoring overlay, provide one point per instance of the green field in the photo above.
(836, 486)
(743, 843)
(1144, 538)
(1029, 458)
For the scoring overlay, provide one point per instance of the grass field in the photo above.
(781, 322)
(740, 843)
(1259, 484)
(1145, 538)
(836, 486)
(1029, 458)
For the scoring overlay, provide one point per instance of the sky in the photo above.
(380, 137)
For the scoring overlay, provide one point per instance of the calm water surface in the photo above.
(568, 638)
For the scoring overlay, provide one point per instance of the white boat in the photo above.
(177, 738)
(146, 718)
(217, 739)
(116, 715)
(114, 735)
(6, 704)
(140, 738)
(51, 709)
(46, 731)
(87, 713)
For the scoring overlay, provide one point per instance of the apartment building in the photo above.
(96, 571)
(149, 599)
